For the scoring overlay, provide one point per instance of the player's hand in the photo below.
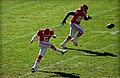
(31, 42)
(63, 22)
(89, 17)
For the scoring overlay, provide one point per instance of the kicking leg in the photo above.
(58, 50)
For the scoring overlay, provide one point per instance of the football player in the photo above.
(78, 15)
(44, 36)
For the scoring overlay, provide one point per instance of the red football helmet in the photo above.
(46, 32)
(84, 8)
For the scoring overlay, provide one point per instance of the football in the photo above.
(110, 25)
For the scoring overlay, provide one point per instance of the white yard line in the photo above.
(99, 31)
(105, 11)
(57, 63)
(18, 37)
(69, 59)
(107, 46)
(16, 6)
(115, 32)
(25, 35)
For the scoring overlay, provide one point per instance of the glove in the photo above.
(63, 22)
(110, 25)
(31, 42)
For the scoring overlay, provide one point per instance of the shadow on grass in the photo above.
(62, 74)
(95, 52)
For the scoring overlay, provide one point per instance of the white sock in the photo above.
(36, 64)
(58, 50)
(75, 38)
(65, 41)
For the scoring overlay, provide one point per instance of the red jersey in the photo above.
(78, 17)
(42, 37)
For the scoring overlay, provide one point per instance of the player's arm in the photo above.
(68, 14)
(87, 17)
(34, 37)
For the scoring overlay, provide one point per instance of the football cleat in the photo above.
(63, 51)
(33, 69)
(63, 46)
(75, 43)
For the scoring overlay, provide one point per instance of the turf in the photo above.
(97, 53)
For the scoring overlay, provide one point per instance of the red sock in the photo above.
(39, 58)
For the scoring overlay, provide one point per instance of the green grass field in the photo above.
(97, 55)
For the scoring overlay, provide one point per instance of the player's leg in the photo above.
(49, 45)
(42, 52)
(58, 50)
(80, 32)
(63, 44)
(77, 36)
(72, 33)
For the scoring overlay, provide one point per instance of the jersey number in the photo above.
(78, 19)
(46, 39)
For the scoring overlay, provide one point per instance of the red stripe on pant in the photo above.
(39, 58)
